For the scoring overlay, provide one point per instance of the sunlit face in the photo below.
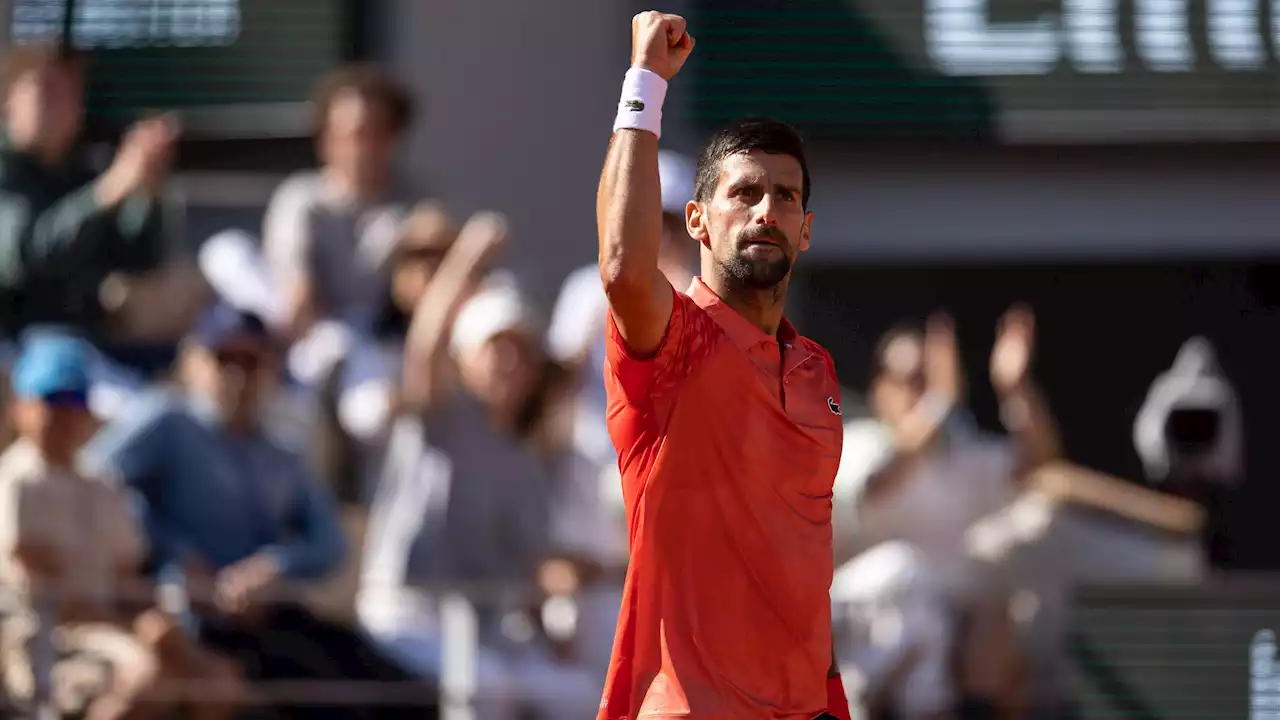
(358, 138)
(45, 109)
(755, 223)
(901, 382)
(236, 375)
(57, 426)
(503, 371)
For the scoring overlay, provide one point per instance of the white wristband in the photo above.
(641, 105)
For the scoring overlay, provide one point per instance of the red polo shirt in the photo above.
(728, 440)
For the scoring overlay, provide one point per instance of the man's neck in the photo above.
(762, 308)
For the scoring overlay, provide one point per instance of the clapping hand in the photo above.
(1013, 349)
(141, 162)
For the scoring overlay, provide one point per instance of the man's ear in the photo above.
(804, 231)
(695, 222)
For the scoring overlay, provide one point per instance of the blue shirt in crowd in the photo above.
(215, 496)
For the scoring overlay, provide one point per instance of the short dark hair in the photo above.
(38, 57)
(370, 83)
(764, 134)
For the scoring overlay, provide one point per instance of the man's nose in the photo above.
(766, 211)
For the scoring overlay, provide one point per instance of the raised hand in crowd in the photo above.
(1023, 410)
(938, 360)
(1015, 344)
(469, 259)
(141, 162)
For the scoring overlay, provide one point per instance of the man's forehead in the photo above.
(760, 165)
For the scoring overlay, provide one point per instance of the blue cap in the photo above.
(223, 323)
(50, 367)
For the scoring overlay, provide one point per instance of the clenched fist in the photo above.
(659, 43)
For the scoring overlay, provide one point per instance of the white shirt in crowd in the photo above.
(902, 562)
(87, 522)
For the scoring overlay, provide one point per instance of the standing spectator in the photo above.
(73, 551)
(465, 503)
(920, 476)
(329, 233)
(63, 231)
(235, 516)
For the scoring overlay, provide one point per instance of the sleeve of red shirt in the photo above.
(643, 379)
(837, 703)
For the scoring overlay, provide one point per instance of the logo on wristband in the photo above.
(634, 105)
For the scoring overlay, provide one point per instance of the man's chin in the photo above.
(766, 276)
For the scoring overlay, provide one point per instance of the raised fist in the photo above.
(659, 43)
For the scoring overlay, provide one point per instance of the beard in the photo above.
(757, 273)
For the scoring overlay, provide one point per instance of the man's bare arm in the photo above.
(629, 215)
(629, 200)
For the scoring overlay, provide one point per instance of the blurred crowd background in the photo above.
(302, 349)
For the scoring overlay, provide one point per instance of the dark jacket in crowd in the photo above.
(57, 244)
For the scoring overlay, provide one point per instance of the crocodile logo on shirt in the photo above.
(833, 406)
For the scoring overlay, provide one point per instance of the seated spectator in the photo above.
(466, 503)
(328, 233)
(73, 552)
(233, 515)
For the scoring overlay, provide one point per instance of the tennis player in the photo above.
(726, 422)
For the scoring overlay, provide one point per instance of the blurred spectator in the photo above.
(233, 515)
(465, 501)
(328, 233)
(1071, 527)
(370, 381)
(73, 552)
(65, 231)
(920, 474)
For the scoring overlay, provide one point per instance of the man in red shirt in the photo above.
(726, 422)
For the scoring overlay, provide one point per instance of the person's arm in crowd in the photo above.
(426, 352)
(1023, 409)
(125, 194)
(317, 546)
(629, 198)
(396, 515)
(944, 386)
(286, 245)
